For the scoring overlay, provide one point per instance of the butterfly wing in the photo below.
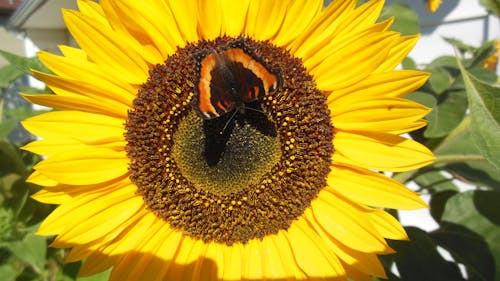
(229, 78)
(255, 78)
(213, 91)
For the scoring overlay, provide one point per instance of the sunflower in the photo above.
(227, 140)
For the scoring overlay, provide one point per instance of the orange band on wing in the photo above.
(205, 104)
(269, 79)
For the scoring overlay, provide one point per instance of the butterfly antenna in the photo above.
(227, 123)
(254, 109)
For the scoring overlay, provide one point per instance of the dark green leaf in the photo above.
(418, 259)
(32, 250)
(12, 160)
(484, 103)
(478, 212)
(441, 188)
(405, 19)
(467, 248)
(438, 203)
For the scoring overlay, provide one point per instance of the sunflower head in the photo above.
(196, 140)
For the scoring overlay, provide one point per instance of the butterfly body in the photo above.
(228, 79)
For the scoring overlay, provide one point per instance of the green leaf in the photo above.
(449, 112)
(103, 276)
(423, 98)
(478, 212)
(9, 74)
(405, 19)
(409, 63)
(13, 116)
(466, 162)
(482, 53)
(418, 259)
(440, 79)
(438, 203)
(12, 160)
(484, 103)
(25, 64)
(467, 248)
(459, 44)
(435, 182)
(492, 5)
(32, 250)
(8, 272)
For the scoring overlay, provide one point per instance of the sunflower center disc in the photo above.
(225, 161)
(229, 180)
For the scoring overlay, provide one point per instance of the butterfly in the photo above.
(228, 79)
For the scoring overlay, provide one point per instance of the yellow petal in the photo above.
(85, 127)
(377, 114)
(234, 15)
(299, 15)
(353, 63)
(257, 26)
(398, 52)
(347, 223)
(134, 265)
(323, 27)
(106, 47)
(70, 86)
(96, 263)
(77, 102)
(232, 266)
(87, 166)
(66, 215)
(54, 146)
(40, 179)
(93, 10)
(209, 19)
(371, 189)
(310, 252)
(385, 84)
(184, 13)
(387, 225)
(153, 21)
(366, 262)
(380, 151)
(48, 197)
(84, 70)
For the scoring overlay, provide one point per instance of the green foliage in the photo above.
(464, 133)
(405, 19)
